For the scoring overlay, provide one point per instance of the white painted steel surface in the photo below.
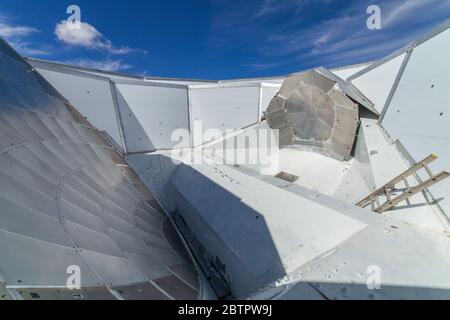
(346, 72)
(419, 113)
(377, 83)
(222, 107)
(253, 234)
(250, 221)
(268, 92)
(387, 162)
(159, 110)
(92, 96)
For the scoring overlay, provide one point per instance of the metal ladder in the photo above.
(387, 189)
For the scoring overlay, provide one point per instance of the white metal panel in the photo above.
(135, 137)
(129, 243)
(88, 239)
(92, 98)
(377, 83)
(155, 169)
(386, 163)
(222, 107)
(426, 275)
(419, 113)
(159, 110)
(268, 92)
(252, 221)
(113, 270)
(346, 72)
(180, 82)
(13, 217)
(276, 80)
(149, 266)
(27, 262)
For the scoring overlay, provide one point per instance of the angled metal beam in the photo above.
(395, 85)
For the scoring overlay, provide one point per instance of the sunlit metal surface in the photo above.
(68, 199)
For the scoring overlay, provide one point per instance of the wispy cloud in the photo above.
(29, 49)
(276, 33)
(105, 65)
(411, 10)
(18, 37)
(87, 36)
(263, 66)
(10, 31)
(271, 7)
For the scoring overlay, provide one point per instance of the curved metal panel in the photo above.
(68, 199)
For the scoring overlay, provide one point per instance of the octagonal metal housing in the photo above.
(313, 110)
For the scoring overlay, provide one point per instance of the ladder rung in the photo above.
(428, 171)
(388, 194)
(398, 179)
(410, 192)
(405, 181)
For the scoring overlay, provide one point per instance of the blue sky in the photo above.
(215, 39)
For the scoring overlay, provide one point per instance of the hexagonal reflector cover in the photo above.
(312, 110)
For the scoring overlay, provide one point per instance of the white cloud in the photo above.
(8, 31)
(105, 65)
(17, 35)
(87, 36)
(28, 49)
